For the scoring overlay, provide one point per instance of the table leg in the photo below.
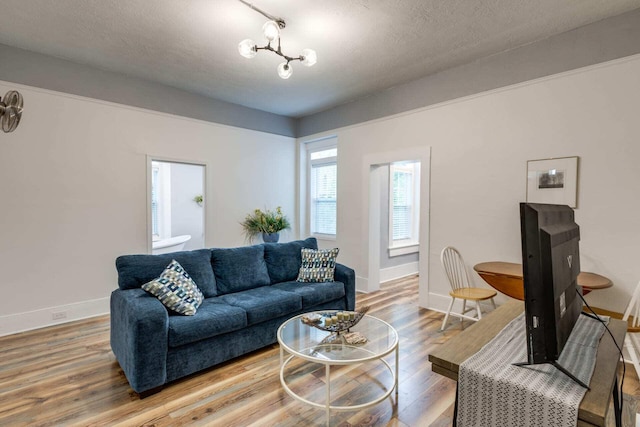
(328, 380)
(455, 409)
(397, 368)
(616, 403)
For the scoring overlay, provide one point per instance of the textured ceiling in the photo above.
(363, 46)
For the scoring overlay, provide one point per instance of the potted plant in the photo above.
(267, 223)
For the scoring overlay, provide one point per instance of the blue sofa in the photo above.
(249, 292)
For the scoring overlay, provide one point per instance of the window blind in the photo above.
(324, 193)
(402, 200)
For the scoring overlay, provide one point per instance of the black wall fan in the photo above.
(10, 111)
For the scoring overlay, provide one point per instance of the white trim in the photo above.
(440, 303)
(411, 248)
(370, 208)
(399, 271)
(362, 284)
(412, 167)
(302, 191)
(309, 147)
(29, 320)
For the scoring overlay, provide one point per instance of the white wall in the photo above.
(73, 184)
(73, 195)
(187, 217)
(479, 149)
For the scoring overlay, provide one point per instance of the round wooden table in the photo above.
(506, 277)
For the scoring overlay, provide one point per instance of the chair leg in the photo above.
(493, 303)
(478, 309)
(446, 316)
(628, 342)
(464, 309)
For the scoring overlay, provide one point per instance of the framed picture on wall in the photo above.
(553, 181)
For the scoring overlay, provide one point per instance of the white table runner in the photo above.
(492, 392)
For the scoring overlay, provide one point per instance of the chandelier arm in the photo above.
(277, 20)
(279, 53)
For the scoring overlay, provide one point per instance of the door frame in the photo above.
(371, 215)
(151, 158)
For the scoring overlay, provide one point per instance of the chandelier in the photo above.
(271, 30)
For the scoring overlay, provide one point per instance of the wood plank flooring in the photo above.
(67, 375)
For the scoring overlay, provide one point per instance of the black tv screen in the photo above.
(550, 267)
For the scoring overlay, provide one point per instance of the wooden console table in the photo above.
(506, 277)
(446, 359)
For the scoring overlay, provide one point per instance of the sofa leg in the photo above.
(150, 392)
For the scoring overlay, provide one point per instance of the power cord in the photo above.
(624, 367)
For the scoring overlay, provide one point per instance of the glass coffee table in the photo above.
(306, 342)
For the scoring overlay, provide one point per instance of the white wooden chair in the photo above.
(632, 339)
(456, 271)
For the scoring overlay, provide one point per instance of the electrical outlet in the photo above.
(57, 315)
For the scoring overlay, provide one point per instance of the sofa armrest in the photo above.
(347, 276)
(139, 337)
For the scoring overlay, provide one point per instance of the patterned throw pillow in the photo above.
(176, 290)
(318, 265)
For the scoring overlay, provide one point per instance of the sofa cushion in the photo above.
(318, 265)
(136, 270)
(264, 303)
(239, 269)
(213, 318)
(176, 290)
(284, 259)
(314, 293)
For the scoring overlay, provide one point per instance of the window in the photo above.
(160, 199)
(323, 179)
(155, 171)
(404, 209)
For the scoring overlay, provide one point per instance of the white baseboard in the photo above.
(362, 284)
(29, 320)
(438, 302)
(441, 303)
(399, 271)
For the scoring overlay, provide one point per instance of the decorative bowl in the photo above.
(340, 326)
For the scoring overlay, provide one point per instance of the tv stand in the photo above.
(594, 407)
(560, 368)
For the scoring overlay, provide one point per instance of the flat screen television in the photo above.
(550, 267)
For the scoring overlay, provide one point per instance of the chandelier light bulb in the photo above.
(271, 30)
(285, 70)
(247, 48)
(309, 57)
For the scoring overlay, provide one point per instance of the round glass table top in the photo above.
(317, 345)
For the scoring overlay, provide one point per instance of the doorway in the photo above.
(377, 169)
(176, 205)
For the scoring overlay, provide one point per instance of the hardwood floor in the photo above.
(67, 375)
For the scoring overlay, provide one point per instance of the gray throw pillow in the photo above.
(318, 265)
(176, 290)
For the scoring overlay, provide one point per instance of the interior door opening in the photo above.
(176, 206)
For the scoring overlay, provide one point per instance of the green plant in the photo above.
(268, 222)
(198, 199)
